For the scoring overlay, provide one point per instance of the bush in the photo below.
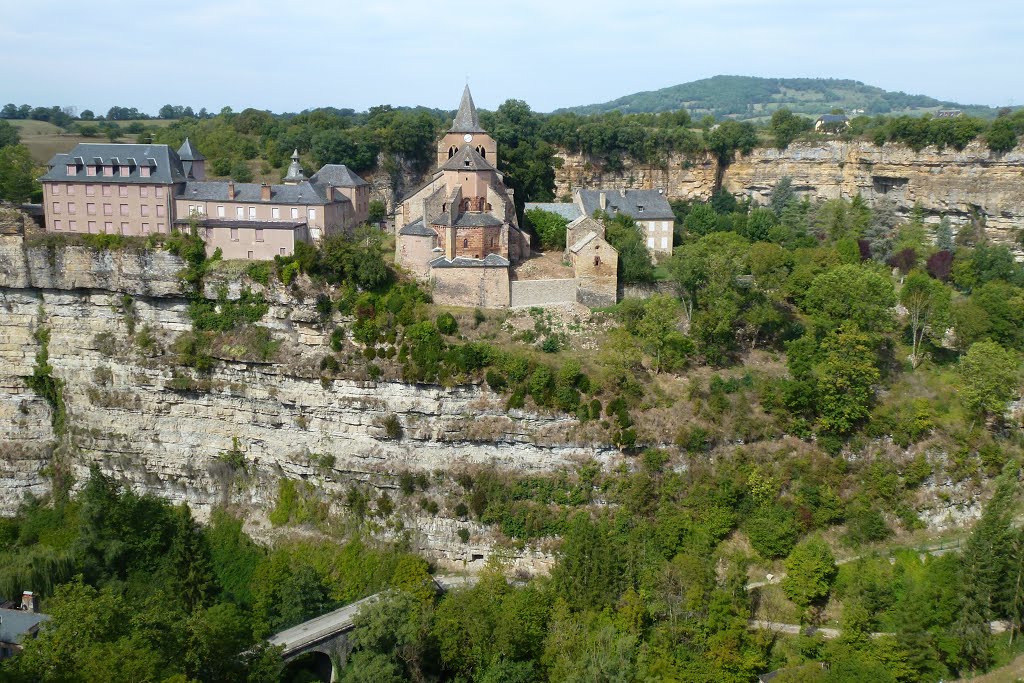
(495, 380)
(446, 324)
(392, 426)
(772, 531)
(463, 535)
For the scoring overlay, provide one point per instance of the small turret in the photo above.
(192, 162)
(295, 174)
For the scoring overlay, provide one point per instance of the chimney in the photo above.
(231, 189)
(603, 201)
(264, 192)
(449, 243)
(330, 193)
(29, 602)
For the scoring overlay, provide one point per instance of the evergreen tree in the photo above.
(190, 564)
(944, 235)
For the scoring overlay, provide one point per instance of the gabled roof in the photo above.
(338, 175)
(168, 168)
(566, 210)
(470, 219)
(637, 204)
(466, 119)
(16, 623)
(189, 153)
(489, 261)
(303, 193)
(417, 229)
(467, 159)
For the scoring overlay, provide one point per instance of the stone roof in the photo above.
(229, 223)
(467, 159)
(466, 119)
(338, 175)
(295, 173)
(417, 229)
(164, 163)
(189, 153)
(16, 623)
(566, 210)
(637, 204)
(303, 193)
(489, 261)
(582, 242)
(470, 219)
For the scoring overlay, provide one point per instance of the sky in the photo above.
(290, 56)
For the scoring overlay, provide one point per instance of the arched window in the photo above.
(451, 152)
(465, 244)
(597, 260)
(487, 206)
(482, 152)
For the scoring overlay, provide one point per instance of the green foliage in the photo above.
(377, 211)
(446, 324)
(17, 174)
(634, 260)
(845, 381)
(989, 378)
(786, 126)
(225, 314)
(45, 385)
(548, 226)
(772, 531)
(851, 294)
(810, 571)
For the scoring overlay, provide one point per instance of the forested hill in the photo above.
(749, 97)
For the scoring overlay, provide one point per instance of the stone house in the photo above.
(460, 230)
(648, 208)
(138, 190)
(832, 124)
(578, 229)
(595, 265)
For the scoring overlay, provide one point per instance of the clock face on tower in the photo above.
(467, 137)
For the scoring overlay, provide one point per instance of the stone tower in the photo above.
(465, 130)
(295, 174)
(193, 163)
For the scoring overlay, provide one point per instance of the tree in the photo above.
(191, 571)
(17, 174)
(702, 220)
(851, 294)
(378, 211)
(786, 126)
(927, 304)
(940, 264)
(989, 378)
(729, 137)
(549, 227)
(782, 195)
(657, 327)
(944, 235)
(845, 380)
(810, 572)
(634, 259)
(8, 134)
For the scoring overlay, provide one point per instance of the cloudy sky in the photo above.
(288, 56)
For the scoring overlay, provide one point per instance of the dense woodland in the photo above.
(818, 371)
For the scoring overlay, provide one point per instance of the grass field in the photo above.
(44, 139)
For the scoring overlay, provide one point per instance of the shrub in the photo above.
(407, 482)
(392, 426)
(463, 535)
(772, 531)
(337, 338)
(446, 324)
(259, 272)
(461, 510)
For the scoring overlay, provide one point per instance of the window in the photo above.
(650, 243)
(90, 170)
(106, 190)
(108, 210)
(124, 228)
(234, 234)
(108, 171)
(312, 214)
(664, 226)
(143, 191)
(124, 209)
(275, 212)
(144, 171)
(56, 207)
(71, 207)
(125, 170)
(160, 210)
(597, 260)
(252, 213)
(72, 169)
(259, 234)
(108, 227)
(159, 192)
(55, 189)
(465, 244)
(90, 209)
(92, 227)
(640, 208)
(249, 254)
(191, 209)
(71, 190)
(283, 252)
(200, 209)
(57, 226)
(72, 225)
(145, 210)
(160, 227)
(295, 212)
(220, 212)
(90, 190)
(122, 190)
(664, 243)
(239, 212)
(145, 228)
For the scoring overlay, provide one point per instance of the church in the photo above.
(459, 231)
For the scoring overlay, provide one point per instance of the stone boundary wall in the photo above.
(542, 292)
(644, 291)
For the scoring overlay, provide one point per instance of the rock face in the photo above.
(164, 430)
(948, 182)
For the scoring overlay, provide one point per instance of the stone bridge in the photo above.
(328, 633)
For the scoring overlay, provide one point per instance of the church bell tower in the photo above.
(466, 130)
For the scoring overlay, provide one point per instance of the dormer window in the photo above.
(466, 162)
(640, 208)
(72, 169)
(108, 170)
(124, 170)
(144, 171)
(90, 170)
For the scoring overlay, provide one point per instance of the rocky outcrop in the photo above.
(975, 181)
(231, 435)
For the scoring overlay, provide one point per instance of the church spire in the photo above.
(466, 120)
(295, 174)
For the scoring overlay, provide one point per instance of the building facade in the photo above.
(138, 190)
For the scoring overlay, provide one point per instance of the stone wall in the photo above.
(943, 182)
(484, 287)
(542, 292)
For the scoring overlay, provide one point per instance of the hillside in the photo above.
(748, 97)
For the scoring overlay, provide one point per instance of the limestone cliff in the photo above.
(161, 429)
(948, 182)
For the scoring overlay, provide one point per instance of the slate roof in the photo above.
(471, 219)
(16, 623)
(417, 229)
(467, 159)
(466, 119)
(338, 175)
(582, 242)
(489, 261)
(189, 153)
(654, 203)
(230, 223)
(566, 210)
(304, 193)
(165, 165)
(833, 118)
